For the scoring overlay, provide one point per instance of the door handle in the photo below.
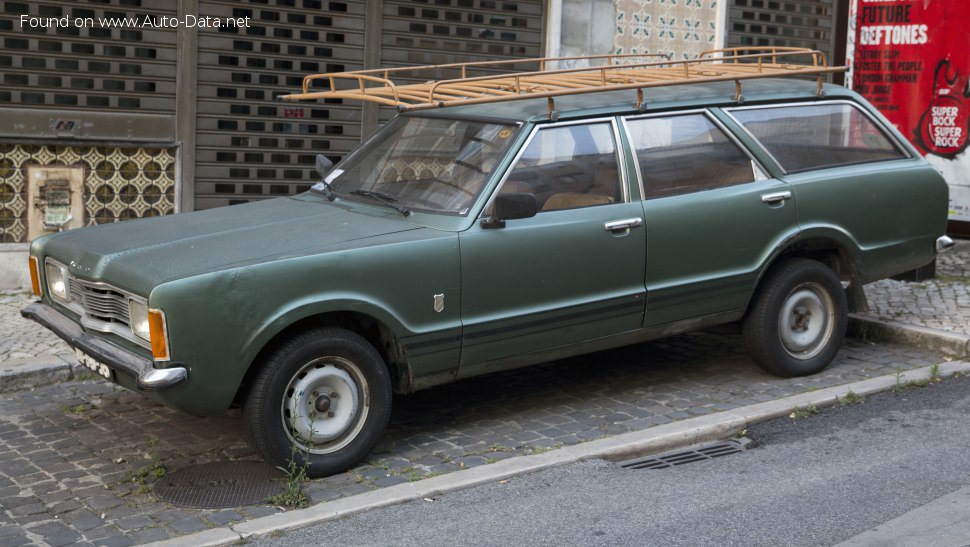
(776, 197)
(625, 224)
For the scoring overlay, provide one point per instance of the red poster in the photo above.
(911, 59)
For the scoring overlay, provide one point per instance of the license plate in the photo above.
(93, 364)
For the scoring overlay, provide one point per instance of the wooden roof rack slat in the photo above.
(391, 86)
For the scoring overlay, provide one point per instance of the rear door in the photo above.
(712, 215)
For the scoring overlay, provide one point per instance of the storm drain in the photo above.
(220, 485)
(690, 455)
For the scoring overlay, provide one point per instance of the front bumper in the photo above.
(148, 378)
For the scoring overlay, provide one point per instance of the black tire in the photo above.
(796, 322)
(326, 392)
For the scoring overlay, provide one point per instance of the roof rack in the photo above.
(619, 72)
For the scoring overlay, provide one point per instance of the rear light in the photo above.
(159, 334)
(34, 276)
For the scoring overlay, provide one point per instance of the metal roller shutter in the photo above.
(424, 32)
(796, 23)
(250, 145)
(87, 67)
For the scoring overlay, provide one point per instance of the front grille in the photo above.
(100, 302)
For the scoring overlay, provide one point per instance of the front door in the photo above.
(574, 272)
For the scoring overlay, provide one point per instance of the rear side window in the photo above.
(686, 153)
(804, 137)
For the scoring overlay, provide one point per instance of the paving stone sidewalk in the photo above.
(942, 303)
(69, 451)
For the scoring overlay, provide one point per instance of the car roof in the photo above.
(607, 103)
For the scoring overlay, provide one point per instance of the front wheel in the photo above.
(797, 321)
(322, 397)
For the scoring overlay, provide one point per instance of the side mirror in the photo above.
(511, 206)
(323, 165)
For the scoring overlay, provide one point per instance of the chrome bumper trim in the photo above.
(943, 243)
(119, 359)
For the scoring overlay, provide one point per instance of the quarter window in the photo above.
(686, 153)
(567, 167)
(803, 137)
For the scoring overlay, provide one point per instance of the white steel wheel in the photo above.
(806, 321)
(325, 405)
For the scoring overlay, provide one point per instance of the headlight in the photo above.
(57, 281)
(138, 316)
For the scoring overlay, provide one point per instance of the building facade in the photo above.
(109, 112)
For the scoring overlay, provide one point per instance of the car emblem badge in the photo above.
(439, 302)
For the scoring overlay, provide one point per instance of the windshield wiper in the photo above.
(385, 199)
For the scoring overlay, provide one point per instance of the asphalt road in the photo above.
(819, 480)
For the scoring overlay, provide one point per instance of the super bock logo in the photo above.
(942, 129)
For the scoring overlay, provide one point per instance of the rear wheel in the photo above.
(796, 323)
(325, 392)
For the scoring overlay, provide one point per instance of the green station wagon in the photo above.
(501, 221)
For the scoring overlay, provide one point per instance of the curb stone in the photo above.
(653, 440)
(18, 374)
(867, 327)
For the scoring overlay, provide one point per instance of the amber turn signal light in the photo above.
(158, 334)
(34, 276)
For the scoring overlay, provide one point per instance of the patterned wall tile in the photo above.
(679, 28)
(119, 183)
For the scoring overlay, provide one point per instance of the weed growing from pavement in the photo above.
(494, 447)
(898, 386)
(851, 398)
(952, 279)
(150, 473)
(358, 478)
(533, 450)
(293, 495)
(935, 373)
(804, 412)
(84, 376)
(79, 409)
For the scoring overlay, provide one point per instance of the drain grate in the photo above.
(691, 455)
(220, 485)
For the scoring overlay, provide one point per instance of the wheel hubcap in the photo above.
(806, 321)
(324, 406)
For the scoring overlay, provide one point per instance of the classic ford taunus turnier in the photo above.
(501, 221)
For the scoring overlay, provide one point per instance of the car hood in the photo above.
(137, 255)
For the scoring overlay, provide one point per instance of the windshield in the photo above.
(427, 164)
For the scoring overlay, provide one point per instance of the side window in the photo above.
(815, 136)
(569, 166)
(686, 153)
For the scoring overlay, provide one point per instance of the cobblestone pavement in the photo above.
(21, 338)
(68, 451)
(941, 303)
